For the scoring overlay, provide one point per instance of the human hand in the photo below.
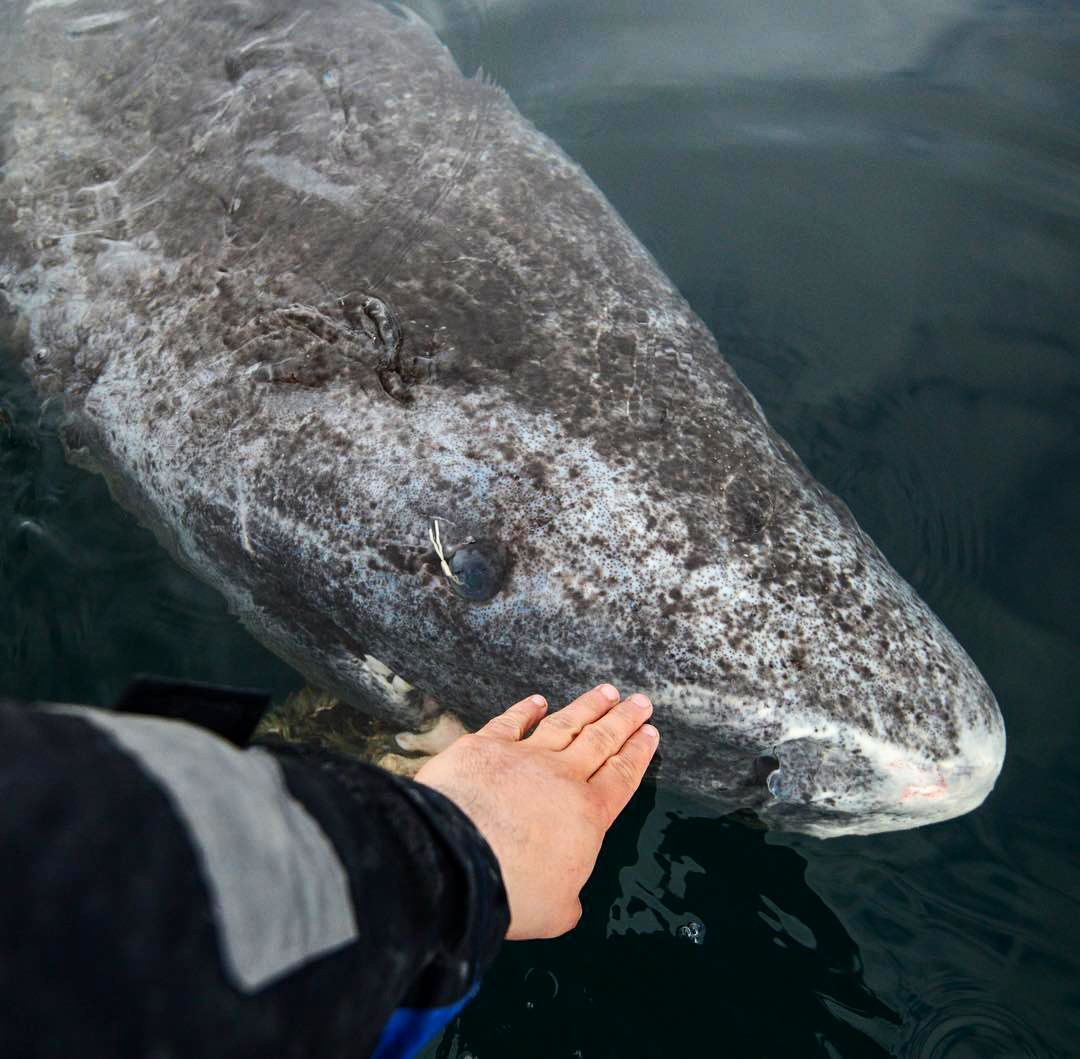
(544, 801)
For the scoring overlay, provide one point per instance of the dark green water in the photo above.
(877, 210)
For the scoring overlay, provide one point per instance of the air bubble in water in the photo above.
(693, 930)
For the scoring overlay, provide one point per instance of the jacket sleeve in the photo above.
(168, 893)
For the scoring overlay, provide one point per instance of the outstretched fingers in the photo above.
(615, 782)
(606, 736)
(512, 724)
(559, 729)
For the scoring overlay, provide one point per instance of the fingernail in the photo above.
(649, 731)
(538, 700)
(640, 701)
(609, 693)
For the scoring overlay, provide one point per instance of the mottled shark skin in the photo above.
(304, 289)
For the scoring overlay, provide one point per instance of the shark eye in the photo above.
(478, 569)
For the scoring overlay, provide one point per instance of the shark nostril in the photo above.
(764, 766)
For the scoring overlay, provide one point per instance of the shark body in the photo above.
(372, 356)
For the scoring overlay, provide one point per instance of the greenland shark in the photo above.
(371, 355)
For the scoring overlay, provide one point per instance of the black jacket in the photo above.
(166, 893)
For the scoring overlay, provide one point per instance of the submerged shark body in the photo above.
(373, 357)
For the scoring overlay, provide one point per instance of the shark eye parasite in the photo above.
(475, 570)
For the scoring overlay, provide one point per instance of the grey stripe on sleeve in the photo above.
(280, 893)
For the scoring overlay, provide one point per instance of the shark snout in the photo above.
(854, 783)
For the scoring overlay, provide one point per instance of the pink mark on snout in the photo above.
(935, 788)
(935, 791)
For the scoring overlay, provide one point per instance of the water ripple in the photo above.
(956, 1019)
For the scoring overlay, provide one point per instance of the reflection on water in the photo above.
(634, 982)
(876, 207)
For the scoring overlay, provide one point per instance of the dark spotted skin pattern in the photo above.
(303, 288)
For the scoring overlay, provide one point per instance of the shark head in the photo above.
(370, 354)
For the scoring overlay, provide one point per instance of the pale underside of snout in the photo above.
(808, 766)
(857, 784)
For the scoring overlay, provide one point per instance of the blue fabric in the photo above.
(409, 1029)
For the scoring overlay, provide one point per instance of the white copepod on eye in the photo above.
(475, 569)
(436, 543)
